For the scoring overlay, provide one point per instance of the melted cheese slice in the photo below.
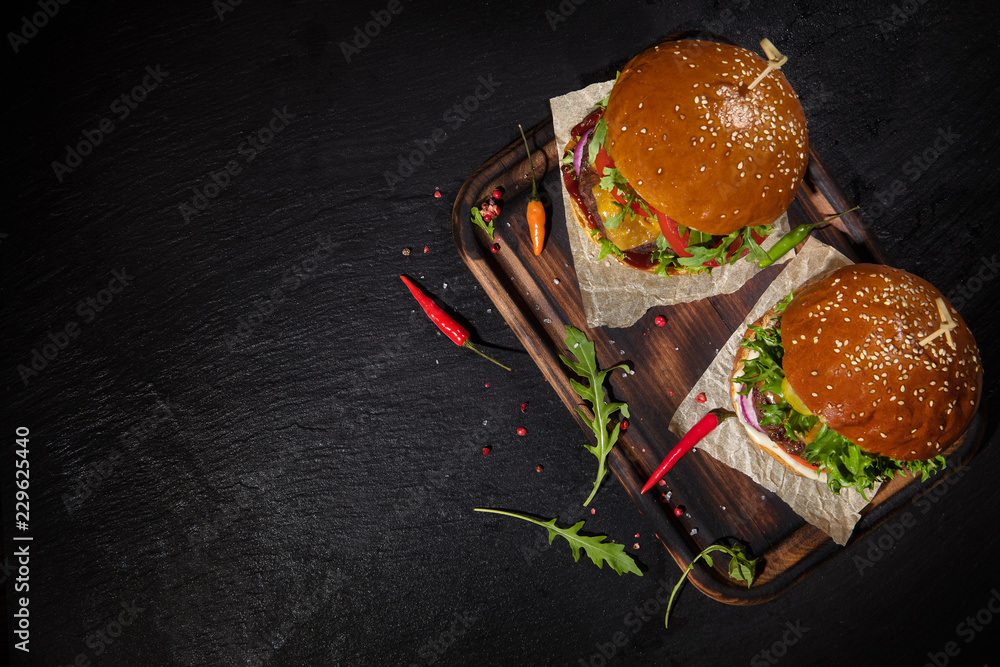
(633, 231)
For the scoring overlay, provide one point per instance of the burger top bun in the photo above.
(696, 144)
(853, 356)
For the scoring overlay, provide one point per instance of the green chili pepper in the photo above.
(795, 237)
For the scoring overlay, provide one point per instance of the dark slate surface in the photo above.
(258, 452)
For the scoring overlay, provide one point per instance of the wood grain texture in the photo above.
(539, 297)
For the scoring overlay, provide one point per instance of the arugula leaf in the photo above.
(696, 237)
(585, 365)
(784, 303)
(597, 140)
(615, 220)
(596, 548)
(607, 247)
(741, 568)
(662, 260)
(720, 248)
(612, 179)
(699, 256)
(477, 218)
(603, 104)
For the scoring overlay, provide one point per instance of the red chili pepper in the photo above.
(690, 439)
(445, 322)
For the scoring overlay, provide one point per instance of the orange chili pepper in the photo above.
(535, 212)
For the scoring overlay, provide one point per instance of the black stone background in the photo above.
(303, 494)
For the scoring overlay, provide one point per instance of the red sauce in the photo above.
(641, 261)
(569, 176)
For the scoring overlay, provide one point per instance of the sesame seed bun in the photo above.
(853, 355)
(696, 144)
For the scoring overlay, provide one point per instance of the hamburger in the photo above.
(684, 166)
(863, 374)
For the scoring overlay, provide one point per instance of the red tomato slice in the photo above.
(601, 161)
(802, 461)
(672, 235)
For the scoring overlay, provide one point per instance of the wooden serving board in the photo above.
(539, 296)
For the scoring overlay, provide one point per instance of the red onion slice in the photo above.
(749, 414)
(578, 151)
